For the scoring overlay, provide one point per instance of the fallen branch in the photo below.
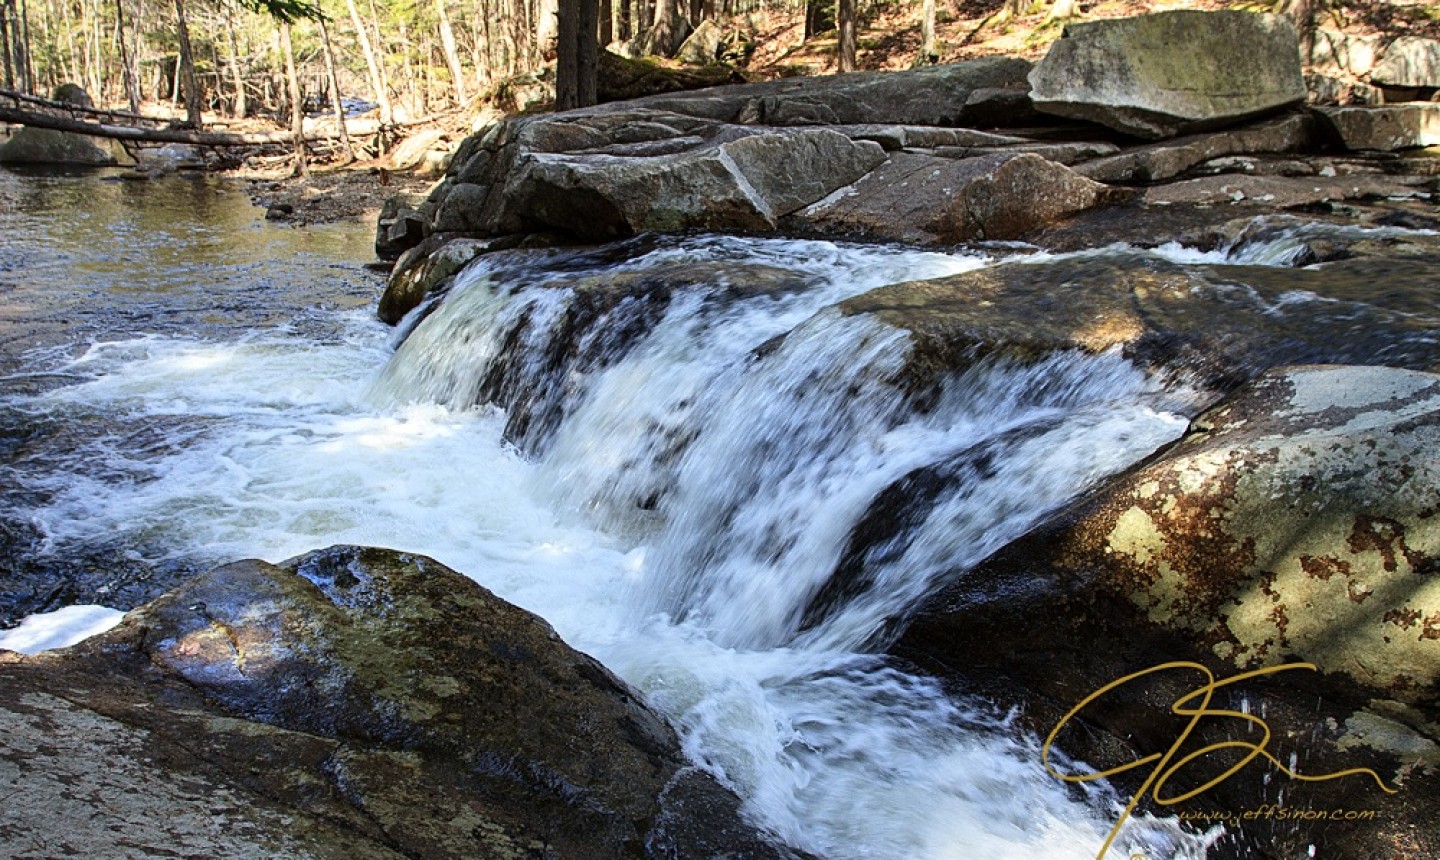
(36, 119)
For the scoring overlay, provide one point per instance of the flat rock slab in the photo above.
(1159, 161)
(1281, 192)
(1156, 76)
(950, 94)
(1386, 128)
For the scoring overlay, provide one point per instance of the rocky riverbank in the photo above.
(359, 701)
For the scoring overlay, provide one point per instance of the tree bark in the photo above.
(927, 32)
(5, 45)
(372, 63)
(846, 48)
(577, 54)
(132, 86)
(297, 111)
(452, 55)
(345, 148)
(193, 118)
(238, 107)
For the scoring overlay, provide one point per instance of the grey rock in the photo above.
(47, 146)
(928, 96)
(1156, 76)
(349, 703)
(929, 200)
(1386, 128)
(1348, 53)
(1170, 159)
(1281, 192)
(1409, 61)
(702, 46)
(744, 184)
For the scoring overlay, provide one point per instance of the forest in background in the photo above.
(415, 58)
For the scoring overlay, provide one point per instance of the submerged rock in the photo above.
(1155, 76)
(351, 702)
(1295, 522)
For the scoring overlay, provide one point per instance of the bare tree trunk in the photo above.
(28, 56)
(578, 54)
(132, 86)
(297, 113)
(846, 49)
(372, 65)
(187, 70)
(387, 115)
(5, 45)
(452, 56)
(1063, 10)
(345, 148)
(668, 31)
(238, 107)
(607, 22)
(927, 32)
(547, 30)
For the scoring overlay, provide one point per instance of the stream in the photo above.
(668, 478)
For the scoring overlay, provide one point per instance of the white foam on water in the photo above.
(763, 460)
(62, 628)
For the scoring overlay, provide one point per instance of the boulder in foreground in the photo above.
(350, 703)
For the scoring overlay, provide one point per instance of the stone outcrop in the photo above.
(1156, 76)
(935, 155)
(349, 703)
(1295, 522)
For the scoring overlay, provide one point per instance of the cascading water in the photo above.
(683, 479)
(733, 444)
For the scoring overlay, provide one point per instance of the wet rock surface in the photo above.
(1215, 325)
(351, 702)
(1294, 523)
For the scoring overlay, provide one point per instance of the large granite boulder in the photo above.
(1294, 523)
(1156, 76)
(744, 184)
(349, 703)
(987, 91)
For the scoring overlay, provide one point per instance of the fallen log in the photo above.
(35, 119)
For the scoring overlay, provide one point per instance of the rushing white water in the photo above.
(680, 503)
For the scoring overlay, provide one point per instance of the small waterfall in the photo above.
(785, 493)
(686, 459)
